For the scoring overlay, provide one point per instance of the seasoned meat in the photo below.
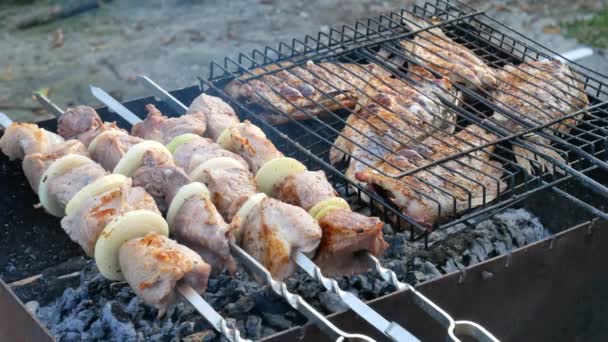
(535, 93)
(111, 147)
(273, 230)
(84, 124)
(297, 90)
(161, 181)
(88, 221)
(199, 150)
(158, 127)
(217, 114)
(429, 194)
(229, 189)
(396, 113)
(304, 189)
(250, 142)
(433, 49)
(21, 139)
(154, 264)
(199, 225)
(347, 236)
(65, 186)
(35, 164)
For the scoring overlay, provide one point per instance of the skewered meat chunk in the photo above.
(83, 123)
(65, 186)
(217, 114)
(199, 225)
(250, 142)
(21, 139)
(111, 146)
(88, 221)
(304, 189)
(161, 181)
(273, 230)
(154, 264)
(345, 235)
(199, 150)
(429, 194)
(535, 93)
(34, 164)
(158, 127)
(433, 49)
(229, 189)
(395, 113)
(333, 85)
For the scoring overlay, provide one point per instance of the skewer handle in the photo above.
(455, 328)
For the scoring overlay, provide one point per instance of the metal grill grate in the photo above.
(464, 171)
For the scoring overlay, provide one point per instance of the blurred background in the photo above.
(60, 47)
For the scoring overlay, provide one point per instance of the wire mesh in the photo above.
(333, 87)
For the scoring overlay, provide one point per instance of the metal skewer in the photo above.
(391, 329)
(198, 302)
(280, 288)
(454, 328)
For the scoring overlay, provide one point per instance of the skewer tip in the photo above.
(5, 120)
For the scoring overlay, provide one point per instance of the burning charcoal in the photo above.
(118, 329)
(240, 307)
(277, 321)
(97, 330)
(431, 270)
(86, 317)
(185, 329)
(331, 302)
(203, 336)
(71, 337)
(254, 326)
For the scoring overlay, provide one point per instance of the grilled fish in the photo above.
(433, 49)
(436, 192)
(333, 85)
(533, 94)
(395, 113)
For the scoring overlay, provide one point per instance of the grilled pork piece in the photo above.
(111, 146)
(217, 114)
(21, 139)
(229, 189)
(396, 113)
(158, 127)
(66, 185)
(535, 93)
(190, 155)
(154, 264)
(83, 123)
(273, 230)
(299, 90)
(433, 49)
(199, 225)
(428, 195)
(88, 221)
(34, 164)
(346, 234)
(161, 181)
(250, 142)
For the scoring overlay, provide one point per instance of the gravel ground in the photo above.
(173, 41)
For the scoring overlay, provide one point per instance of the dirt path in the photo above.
(173, 41)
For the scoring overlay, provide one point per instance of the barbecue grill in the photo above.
(578, 239)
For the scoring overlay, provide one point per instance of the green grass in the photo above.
(592, 32)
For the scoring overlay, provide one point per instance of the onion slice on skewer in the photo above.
(121, 229)
(134, 156)
(225, 138)
(99, 186)
(274, 171)
(183, 194)
(180, 140)
(241, 215)
(59, 167)
(321, 208)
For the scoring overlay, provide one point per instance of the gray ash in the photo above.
(100, 309)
